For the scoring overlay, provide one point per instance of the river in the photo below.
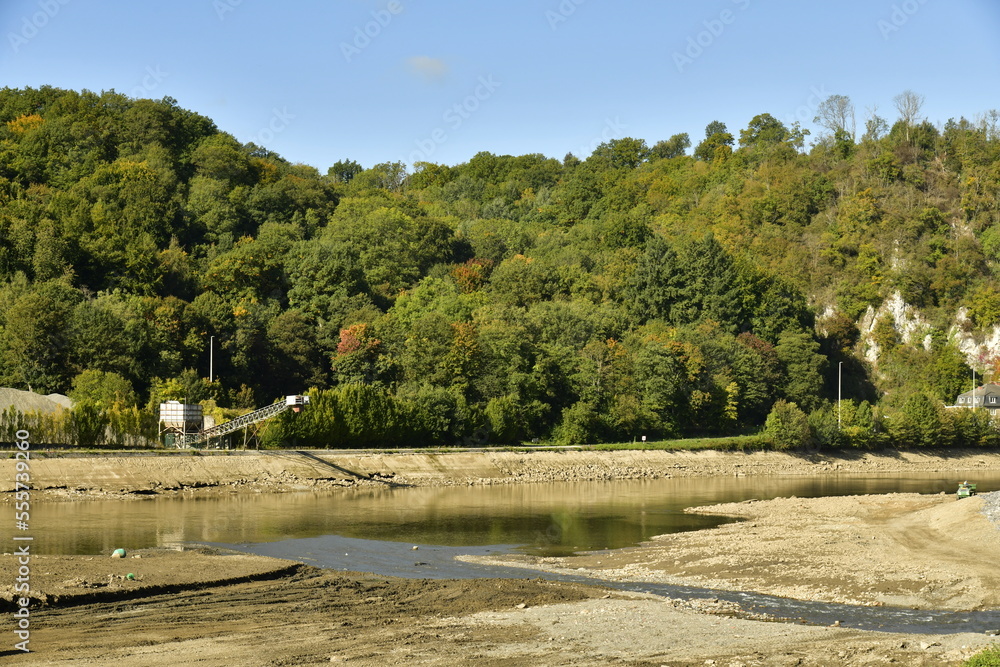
(545, 519)
(417, 532)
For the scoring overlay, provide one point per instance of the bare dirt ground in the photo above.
(207, 608)
(308, 616)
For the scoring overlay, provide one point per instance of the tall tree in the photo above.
(657, 283)
(764, 129)
(34, 347)
(626, 153)
(717, 143)
(908, 104)
(876, 127)
(836, 113)
(804, 366)
(343, 171)
(675, 146)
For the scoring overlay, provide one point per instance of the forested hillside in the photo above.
(695, 286)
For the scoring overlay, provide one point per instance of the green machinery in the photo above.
(965, 490)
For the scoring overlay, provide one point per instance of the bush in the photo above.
(580, 424)
(989, 657)
(823, 427)
(787, 426)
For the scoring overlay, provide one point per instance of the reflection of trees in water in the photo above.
(550, 519)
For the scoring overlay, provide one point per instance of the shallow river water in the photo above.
(374, 530)
(547, 519)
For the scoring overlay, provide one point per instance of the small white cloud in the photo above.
(427, 68)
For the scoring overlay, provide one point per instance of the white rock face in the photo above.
(914, 329)
(979, 350)
(908, 321)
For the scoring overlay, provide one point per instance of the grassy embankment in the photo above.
(736, 443)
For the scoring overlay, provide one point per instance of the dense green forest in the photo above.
(706, 286)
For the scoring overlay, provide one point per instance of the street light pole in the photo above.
(211, 357)
(840, 386)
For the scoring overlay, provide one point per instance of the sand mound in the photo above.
(27, 401)
(62, 400)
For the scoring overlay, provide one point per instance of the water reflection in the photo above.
(551, 519)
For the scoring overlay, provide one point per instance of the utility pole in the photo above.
(973, 389)
(840, 386)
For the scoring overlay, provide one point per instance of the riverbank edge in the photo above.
(150, 474)
(69, 581)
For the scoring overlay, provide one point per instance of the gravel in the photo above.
(991, 507)
(26, 401)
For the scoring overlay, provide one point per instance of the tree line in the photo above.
(678, 289)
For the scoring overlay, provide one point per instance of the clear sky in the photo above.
(440, 80)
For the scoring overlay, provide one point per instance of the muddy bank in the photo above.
(150, 474)
(73, 580)
(313, 617)
(211, 608)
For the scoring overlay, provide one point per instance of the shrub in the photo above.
(988, 657)
(787, 426)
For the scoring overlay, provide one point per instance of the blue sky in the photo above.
(386, 80)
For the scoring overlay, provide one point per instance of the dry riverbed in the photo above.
(900, 549)
(207, 607)
(223, 610)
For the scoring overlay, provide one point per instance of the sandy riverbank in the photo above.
(299, 615)
(109, 475)
(900, 549)
(212, 608)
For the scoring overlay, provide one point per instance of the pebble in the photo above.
(991, 507)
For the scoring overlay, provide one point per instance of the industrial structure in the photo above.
(182, 425)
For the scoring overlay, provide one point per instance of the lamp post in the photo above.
(840, 386)
(211, 357)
